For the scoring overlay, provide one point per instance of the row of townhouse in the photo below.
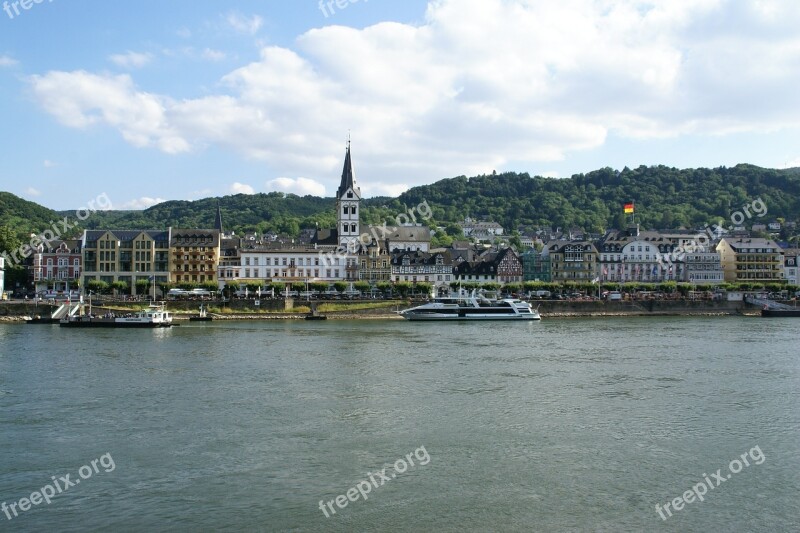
(400, 253)
(657, 257)
(160, 256)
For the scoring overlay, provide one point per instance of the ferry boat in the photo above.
(472, 307)
(155, 316)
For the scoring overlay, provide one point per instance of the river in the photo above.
(560, 425)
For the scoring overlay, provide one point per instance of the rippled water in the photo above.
(561, 425)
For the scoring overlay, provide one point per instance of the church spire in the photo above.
(218, 219)
(348, 175)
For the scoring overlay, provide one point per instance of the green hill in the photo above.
(24, 217)
(665, 197)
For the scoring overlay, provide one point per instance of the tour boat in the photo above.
(472, 307)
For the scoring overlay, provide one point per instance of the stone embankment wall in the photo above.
(548, 308)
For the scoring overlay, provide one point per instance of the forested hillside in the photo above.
(665, 198)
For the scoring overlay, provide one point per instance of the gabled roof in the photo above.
(409, 234)
(420, 258)
(480, 268)
(127, 235)
(196, 235)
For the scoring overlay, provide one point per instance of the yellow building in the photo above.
(194, 255)
(129, 256)
(751, 260)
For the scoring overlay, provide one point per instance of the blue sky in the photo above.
(149, 101)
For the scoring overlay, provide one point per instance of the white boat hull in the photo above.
(441, 316)
(471, 308)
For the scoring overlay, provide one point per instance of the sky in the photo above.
(150, 100)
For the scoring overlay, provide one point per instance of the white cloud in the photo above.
(299, 186)
(378, 188)
(49, 164)
(184, 33)
(131, 59)
(430, 100)
(7, 61)
(213, 55)
(243, 24)
(140, 203)
(241, 188)
(80, 99)
(30, 191)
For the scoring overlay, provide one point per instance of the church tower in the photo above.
(348, 203)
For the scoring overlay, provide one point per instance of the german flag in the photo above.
(628, 208)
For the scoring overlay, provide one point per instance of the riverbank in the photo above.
(16, 311)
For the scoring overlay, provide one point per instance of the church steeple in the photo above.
(348, 176)
(348, 203)
(218, 219)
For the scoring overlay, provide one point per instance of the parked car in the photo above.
(202, 293)
(177, 293)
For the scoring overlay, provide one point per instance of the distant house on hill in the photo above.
(478, 229)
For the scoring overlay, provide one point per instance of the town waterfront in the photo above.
(562, 425)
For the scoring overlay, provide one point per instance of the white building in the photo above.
(470, 227)
(790, 265)
(414, 238)
(638, 260)
(2, 275)
(703, 267)
(288, 264)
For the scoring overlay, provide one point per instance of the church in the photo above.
(331, 256)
